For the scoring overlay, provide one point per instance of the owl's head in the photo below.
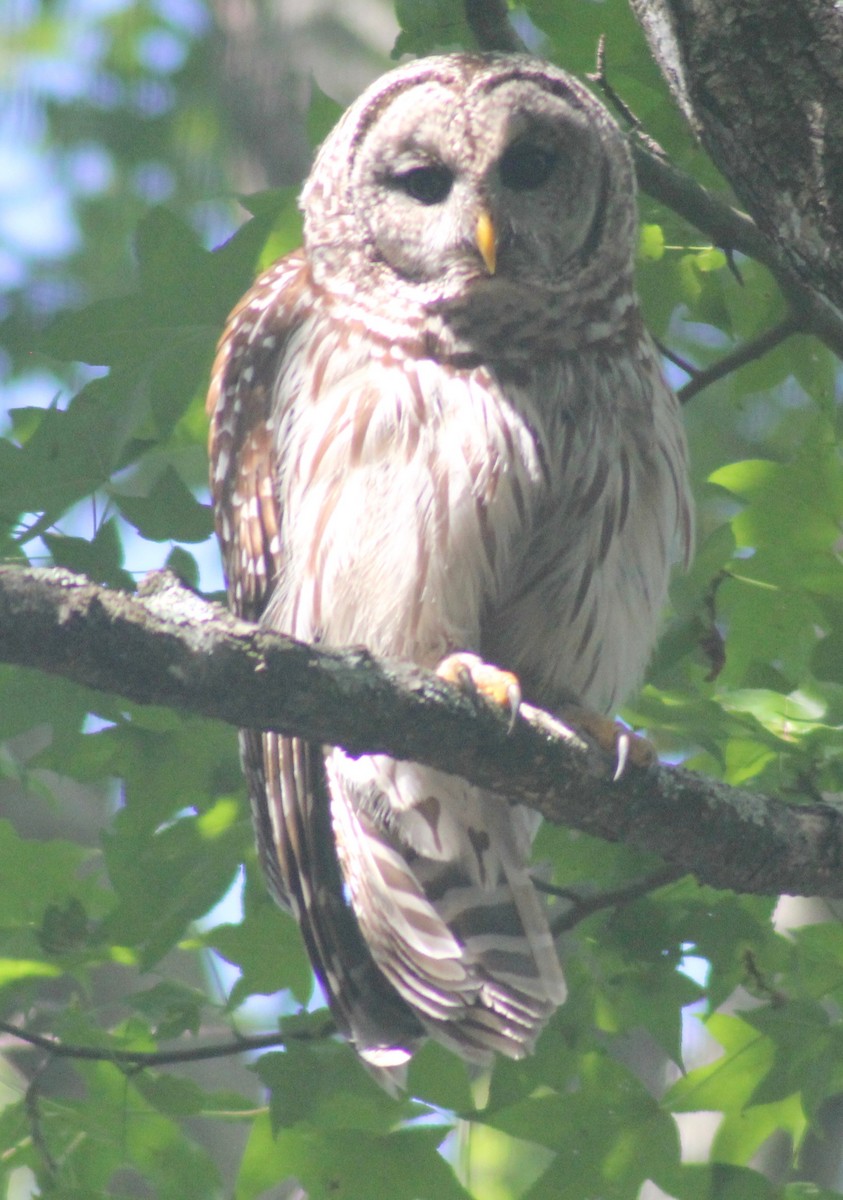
(473, 183)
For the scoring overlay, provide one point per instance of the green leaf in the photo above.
(67, 457)
(171, 513)
(428, 26)
(178, 1097)
(171, 1007)
(42, 875)
(15, 1138)
(807, 1048)
(608, 1133)
(165, 882)
(804, 494)
(101, 559)
(650, 243)
(439, 1077)
(12, 970)
(267, 947)
(166, 761)
(808, 1191)
(342, 1165)
(323, 1082)
(277, 211)
(121, 1128)
(717, 1181)
(322, 115)
(741, 1135)
(729, 1083)
(64, 927)
(184, 565)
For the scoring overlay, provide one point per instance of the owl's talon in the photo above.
(469, 673)
(615, 739)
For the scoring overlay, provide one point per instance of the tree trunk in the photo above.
(761, 83)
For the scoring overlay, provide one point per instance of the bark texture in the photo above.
(761, 83)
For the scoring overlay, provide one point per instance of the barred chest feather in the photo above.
(436, 517)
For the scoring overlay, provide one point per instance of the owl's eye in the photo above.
(429, 185)
(526, 166)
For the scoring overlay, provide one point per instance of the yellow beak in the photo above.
(484, 235)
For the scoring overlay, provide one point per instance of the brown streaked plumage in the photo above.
(441, 427)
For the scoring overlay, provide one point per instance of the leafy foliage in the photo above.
(125, 827)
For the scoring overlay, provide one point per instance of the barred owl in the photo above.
(440, 428)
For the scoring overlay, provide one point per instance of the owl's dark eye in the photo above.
(526, 166)
(429, 185)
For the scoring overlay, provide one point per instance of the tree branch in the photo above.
(584, 906)
(748, 352)
(733, 230)
(489, 21)
(168, 646)
(161, 1058)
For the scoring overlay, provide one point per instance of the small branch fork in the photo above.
(727, 227)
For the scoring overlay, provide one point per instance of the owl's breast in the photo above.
(428, 508)
(408, 489)
(583, 611)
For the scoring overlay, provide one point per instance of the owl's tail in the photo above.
(443, 897)
(414, 900)
(290, 806)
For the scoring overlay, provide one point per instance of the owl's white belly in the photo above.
(424, 528)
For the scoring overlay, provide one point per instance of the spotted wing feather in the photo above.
(286, 776)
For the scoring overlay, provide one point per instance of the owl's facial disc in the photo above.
(545, 180)
(415, 189)
(478, 192)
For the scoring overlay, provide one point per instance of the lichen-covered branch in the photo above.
(167, 646)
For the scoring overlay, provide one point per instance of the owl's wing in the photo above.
(241, 407)
(286, 776)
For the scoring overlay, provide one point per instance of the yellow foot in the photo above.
(618, 741)
(471, 674)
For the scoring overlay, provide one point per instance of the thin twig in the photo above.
(750, 351)
(760, 982)
(160, 1058)
(676, 359)
(584, 906)
(600, 78)
(732, 264)
(36, 1129)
